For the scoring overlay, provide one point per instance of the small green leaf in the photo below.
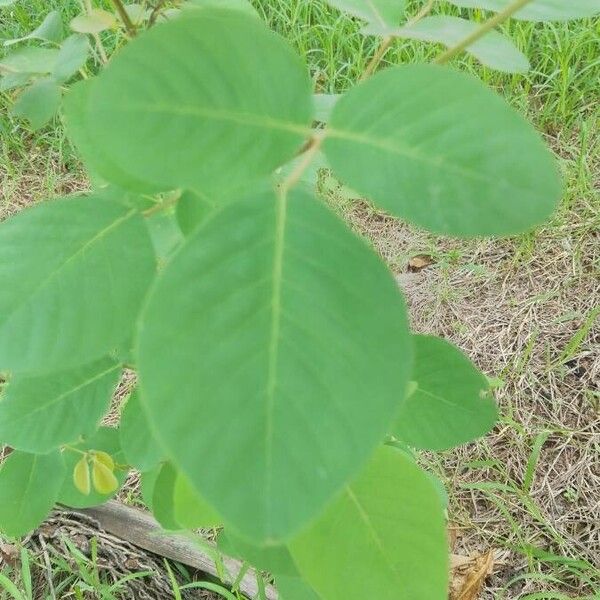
(276, 559)
(384, 537)
(72, 55)
(82, 266)
(104, 480)
(539, 10)
(96, 21)
(10, 81)
(105, 440)
(319, 327)
(104, 458)
(81, 476)
(38, 414)
(437, 147)
(451, 404)
(30, 60)
(140, 448)
(493, 50)
(38, 103)
(190, 510)
(29, 486)
(259, 122)
(49, 30)
(163, 506)
(380, 12)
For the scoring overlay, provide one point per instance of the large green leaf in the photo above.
(294, 588)
(163, 493)
(493, 50)
(38, 103)
(74, 273)
(192, 511)
(29, 485)
(539, 10)
(215, 121)
(30, 60)
(379, 12)
(38, 414)
(71, 57)
(272, 354)
(243, 5)
(450, 404)
(106, 439)
(140, 448)
(383, 538)
(438, 148)
(75, 107)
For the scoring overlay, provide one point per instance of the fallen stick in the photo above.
(142, 530)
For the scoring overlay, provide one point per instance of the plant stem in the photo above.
(487, 26)
(386, 42)
(129, 26)
(312, 148)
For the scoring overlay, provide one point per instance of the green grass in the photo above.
(560, 95)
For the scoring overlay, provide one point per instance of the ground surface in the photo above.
(525, 310)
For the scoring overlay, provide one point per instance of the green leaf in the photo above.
(276, 559)
(11, 81)
(106, 439)
(163, 506)
(190, 510)
(450, 405)
(96, 21)
(539, 10)
(242, 5)
(165, 233)
(29, 485)
(294, 588)
(50, 30)
(38, 414)
(81, 266)
(233, 125)
(438, 148)
(287, 321)
(379, 12)
(30, 60)
(140, 448)
(72, 55)
(383, 538)
(192, 209)
(147, 483)
(494, 50)
(76, 115)
(38, 103)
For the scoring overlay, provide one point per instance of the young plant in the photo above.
(279, 385)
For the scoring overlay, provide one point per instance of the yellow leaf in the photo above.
(104, 480)
(105, 458)
(81, 476)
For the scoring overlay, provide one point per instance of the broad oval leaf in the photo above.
(71, 57)
(266, 333)
(438, 148)
(192, 209)
(379, 12)
(50, 30)
(106, 439)
(294, 588)
(29, 486)
(38, 103)
(96, 21)
(493, 50)
(243, 5)
(163, 492)
(213, 119)
(383, 538)
(38, 414)
(75, 107)
(140, 448)
(30, 60)
(539, 10)
(450, 405)
(74, 274)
